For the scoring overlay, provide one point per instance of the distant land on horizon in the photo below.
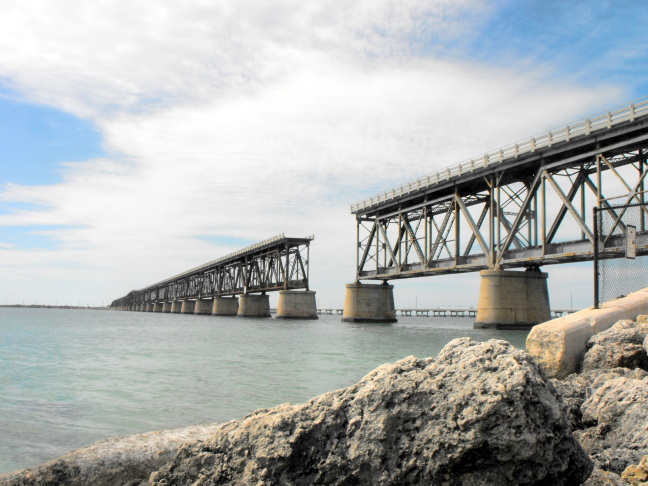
(41, 306)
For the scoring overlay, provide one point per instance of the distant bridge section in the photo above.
(277, 264)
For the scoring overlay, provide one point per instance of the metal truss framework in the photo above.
(280, 263)
(525, 212)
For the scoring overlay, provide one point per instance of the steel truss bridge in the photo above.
(279, 263)
(525, 205)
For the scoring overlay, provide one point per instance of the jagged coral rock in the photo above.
(637, 474)
(120, 461)
(617, 413)
(481, 413)
(620, 346)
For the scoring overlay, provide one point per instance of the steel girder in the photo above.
(280, 263)
(525, 212)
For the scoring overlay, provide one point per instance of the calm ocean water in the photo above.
(71, 377)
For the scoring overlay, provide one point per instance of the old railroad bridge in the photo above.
(529, 204)
(236, 284)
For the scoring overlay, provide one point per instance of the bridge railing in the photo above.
(230, 256)
(591, 124)
(272, 264)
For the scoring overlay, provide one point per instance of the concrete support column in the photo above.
(149, 307)
(203, 306)
(188, 307)
(296, 304)
(176, 306)
(157, 307)
(225, 306)
(512, 299)
(142, 308)
(369, 303)
(254, 305)
(166, 307)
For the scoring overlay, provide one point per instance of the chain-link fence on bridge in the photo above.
(621, 239)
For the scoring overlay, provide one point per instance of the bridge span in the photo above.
(236, 284)
(525, 205)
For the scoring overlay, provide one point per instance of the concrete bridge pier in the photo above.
(251, 305)
(203, 307)
(166, 307)
(225, 306)
(369, 303)
(512, 299)
(296, 304)
(176, 306)
(188, 307)
(157, 307)
(149, 307)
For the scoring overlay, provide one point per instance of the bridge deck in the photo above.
(270, 265)
(527, 204)
(279, 241)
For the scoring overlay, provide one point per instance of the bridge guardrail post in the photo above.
(595, 257)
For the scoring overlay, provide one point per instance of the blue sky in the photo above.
(36, 139)
(138, 140)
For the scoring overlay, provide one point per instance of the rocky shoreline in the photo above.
(477, 414)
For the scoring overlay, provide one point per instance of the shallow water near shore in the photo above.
(71, 377)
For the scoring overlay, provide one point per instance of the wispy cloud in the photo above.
(239, 121)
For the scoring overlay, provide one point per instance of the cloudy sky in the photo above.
(141, 138)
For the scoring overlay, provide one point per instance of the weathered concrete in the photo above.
(560, 344)
(253, 305)
(150, 307)
(176, 306)
(157, 307)
(369, 303)
(203, 307)
(512, 299)
(167, 307)
(188, 306)
(296, 304)
(225, 306)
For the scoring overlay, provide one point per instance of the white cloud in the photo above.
(98, 56)
(247, 120)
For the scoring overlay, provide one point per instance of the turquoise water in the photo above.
(71, 377)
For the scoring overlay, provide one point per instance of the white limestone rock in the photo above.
(480, 413)
(120, 461)
(620, 346)
(616, 415)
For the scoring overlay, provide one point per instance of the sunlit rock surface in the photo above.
(620, 346)
(124, 460)
(481, 413)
